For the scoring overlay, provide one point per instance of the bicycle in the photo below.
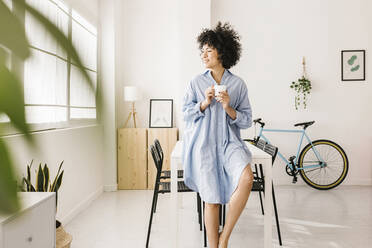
(322, 164)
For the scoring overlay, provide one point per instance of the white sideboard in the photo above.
(34, 226)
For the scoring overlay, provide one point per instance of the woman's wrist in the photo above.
(203, 105)
(231, 112)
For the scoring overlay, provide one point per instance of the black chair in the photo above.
(257, 177)
(260, 185)
(166, 174)
(260, 144)
(161, 187)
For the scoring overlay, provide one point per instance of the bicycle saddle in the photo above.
(305, 124)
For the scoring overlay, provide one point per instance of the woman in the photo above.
(216, 160)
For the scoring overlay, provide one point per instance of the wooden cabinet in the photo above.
(132, 158)
(34, 226)
(136, 169)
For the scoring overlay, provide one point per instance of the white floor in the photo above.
(337, 218)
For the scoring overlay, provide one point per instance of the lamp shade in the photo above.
(131, 94)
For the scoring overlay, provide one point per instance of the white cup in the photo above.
(217, 89)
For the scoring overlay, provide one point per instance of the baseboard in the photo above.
(81, 207)
(361, 182)
(110, 188)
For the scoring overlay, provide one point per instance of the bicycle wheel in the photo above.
(331, 173)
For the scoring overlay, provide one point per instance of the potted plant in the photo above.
(301, 86)
(43, 184)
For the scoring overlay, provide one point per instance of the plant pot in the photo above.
(63, 239)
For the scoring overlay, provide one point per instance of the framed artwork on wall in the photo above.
(353, 64)
(161, 113)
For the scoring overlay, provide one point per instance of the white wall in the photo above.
(107, 87)
(157, 51)
(81, 150)
(275, 36)
(193, 16)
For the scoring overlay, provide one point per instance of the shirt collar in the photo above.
(225, 75)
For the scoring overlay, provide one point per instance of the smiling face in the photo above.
(209, 55)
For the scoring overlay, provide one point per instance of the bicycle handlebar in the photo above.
(259, 121)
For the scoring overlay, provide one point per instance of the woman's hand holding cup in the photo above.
(222, 96)
(209, 95)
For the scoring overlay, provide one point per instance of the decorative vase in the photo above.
(63, 239)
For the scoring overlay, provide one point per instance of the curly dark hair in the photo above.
(226, 40)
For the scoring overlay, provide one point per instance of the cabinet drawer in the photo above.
(34, 228)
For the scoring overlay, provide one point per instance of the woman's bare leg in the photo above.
(211, 219)
(236, 205)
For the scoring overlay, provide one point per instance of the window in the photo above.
(84, 38)
(8, 3)
(5, 54)
(55, 92)
(3, 117)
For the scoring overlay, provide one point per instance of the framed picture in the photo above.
(353, 65)
(161, 113)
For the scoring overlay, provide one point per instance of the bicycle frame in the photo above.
(303, 132)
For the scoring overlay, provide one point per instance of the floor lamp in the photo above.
(131, 94)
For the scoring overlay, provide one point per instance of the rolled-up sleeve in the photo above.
(191, 107)
(243, 110)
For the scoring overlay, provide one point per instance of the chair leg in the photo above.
(156, 198)
(259, 192)
(205, 232)
(220, 214)
(152, 212)
(262, 208)
(199, 211)
(197, 202)
(156, 201)
(262, 176)
(276, 217)
(224, 215)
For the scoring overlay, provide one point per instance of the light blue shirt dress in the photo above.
(214, 155)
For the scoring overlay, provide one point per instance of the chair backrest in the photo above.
(272, 150)
(261, 144)
(160, 150)
(156, 158)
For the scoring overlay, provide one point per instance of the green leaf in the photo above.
(29, 185)
(26, 182)
(59, 182)
(23, 185)
(40, 179)
(8, 191)
(52, 187)
(11, 100)
(12, 32)
(46, 177)
(29, 174)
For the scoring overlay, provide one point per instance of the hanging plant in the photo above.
(302, 87)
